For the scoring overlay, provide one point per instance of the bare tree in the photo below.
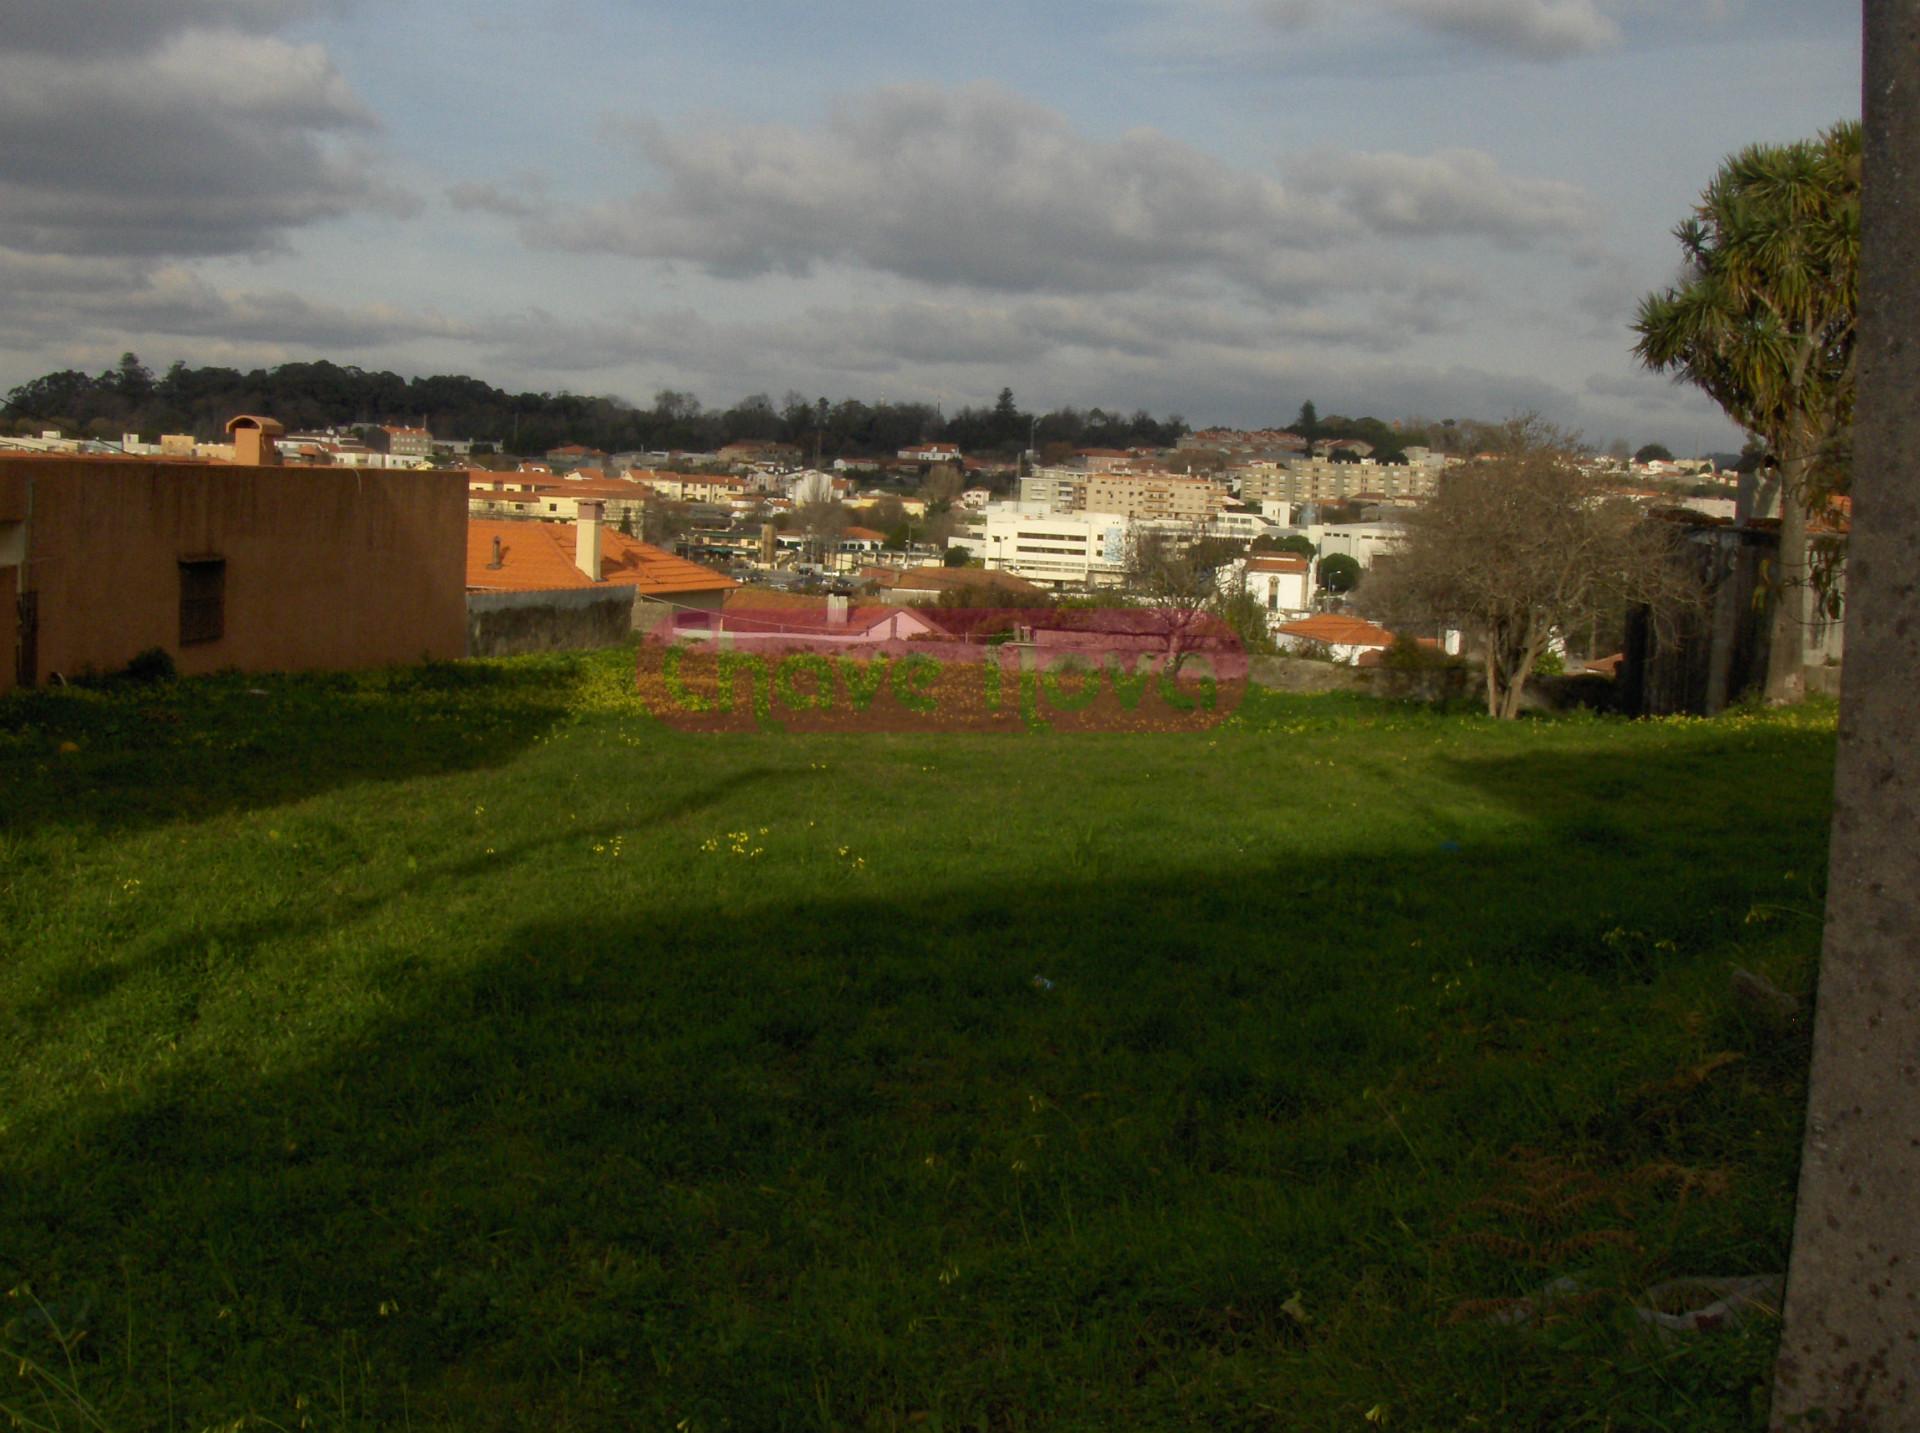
(822, 520)
(1523, 546)
(1168, 573)
(942, 483)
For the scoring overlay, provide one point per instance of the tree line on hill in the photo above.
(130, 398)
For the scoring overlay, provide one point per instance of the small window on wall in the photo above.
(203, 600)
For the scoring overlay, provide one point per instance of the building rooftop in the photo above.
(1339, 630)
(539, 557)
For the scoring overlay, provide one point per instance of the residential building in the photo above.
(1348, 640)
(1053, 489)
(1245, 526)
(698, 487)
(759, 617)
(857, 542)
(931, 453)
(574, 455)
(1320, 480)
(758, 451)
(254, 567)
(553, 557)
(549, 499)
(409, 442)
(1154, 497)
(1265, 443)
(1103, 460)
(1282, 583)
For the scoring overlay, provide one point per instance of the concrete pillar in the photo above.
(1850, 1346)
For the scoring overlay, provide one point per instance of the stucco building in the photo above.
(258, 568)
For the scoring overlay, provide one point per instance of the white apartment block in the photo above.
(1246, 526)
(1053, 549)
(1362, 541)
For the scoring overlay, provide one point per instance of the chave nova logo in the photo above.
(884, 668)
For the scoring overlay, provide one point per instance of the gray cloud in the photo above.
(120, 27)
(482, 198)
(976, 186)
(951, 345)
(1642, 389)
(212, 142)
(1536, 29)
(1453, 191)
(1291, 14)
(62, 300)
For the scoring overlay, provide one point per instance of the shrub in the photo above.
(153, 665)
(1407, 655)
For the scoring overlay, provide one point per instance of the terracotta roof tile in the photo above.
(1337, 630)
(538, 557)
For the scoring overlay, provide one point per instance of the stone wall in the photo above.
(572, 619)
(510, 624)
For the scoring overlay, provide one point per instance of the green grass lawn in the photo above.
(459, 1048)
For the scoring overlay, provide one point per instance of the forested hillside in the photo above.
(129, 398)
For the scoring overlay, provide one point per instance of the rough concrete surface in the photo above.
(1850, 1345)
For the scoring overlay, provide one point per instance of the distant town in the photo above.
(1288, 519)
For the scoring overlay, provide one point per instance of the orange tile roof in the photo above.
(538, 557)
(1275, 563)
(864, 534)
(1337, 630)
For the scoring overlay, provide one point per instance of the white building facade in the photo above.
(1061, 550)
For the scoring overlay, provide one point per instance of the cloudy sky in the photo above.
(1214, 207)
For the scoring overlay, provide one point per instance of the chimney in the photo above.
(499, 560)
(836, 611)
(586, 549)
(253, 444)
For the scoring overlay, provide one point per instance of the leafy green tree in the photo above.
(1339, 572)
(1653, 453)
(1294, 542)
(133, 378)
(1764, 320)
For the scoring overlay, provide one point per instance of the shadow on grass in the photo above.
(74, 987)
(125, 755)
(842, 1159)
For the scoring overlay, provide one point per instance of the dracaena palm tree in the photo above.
(1763, 319)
